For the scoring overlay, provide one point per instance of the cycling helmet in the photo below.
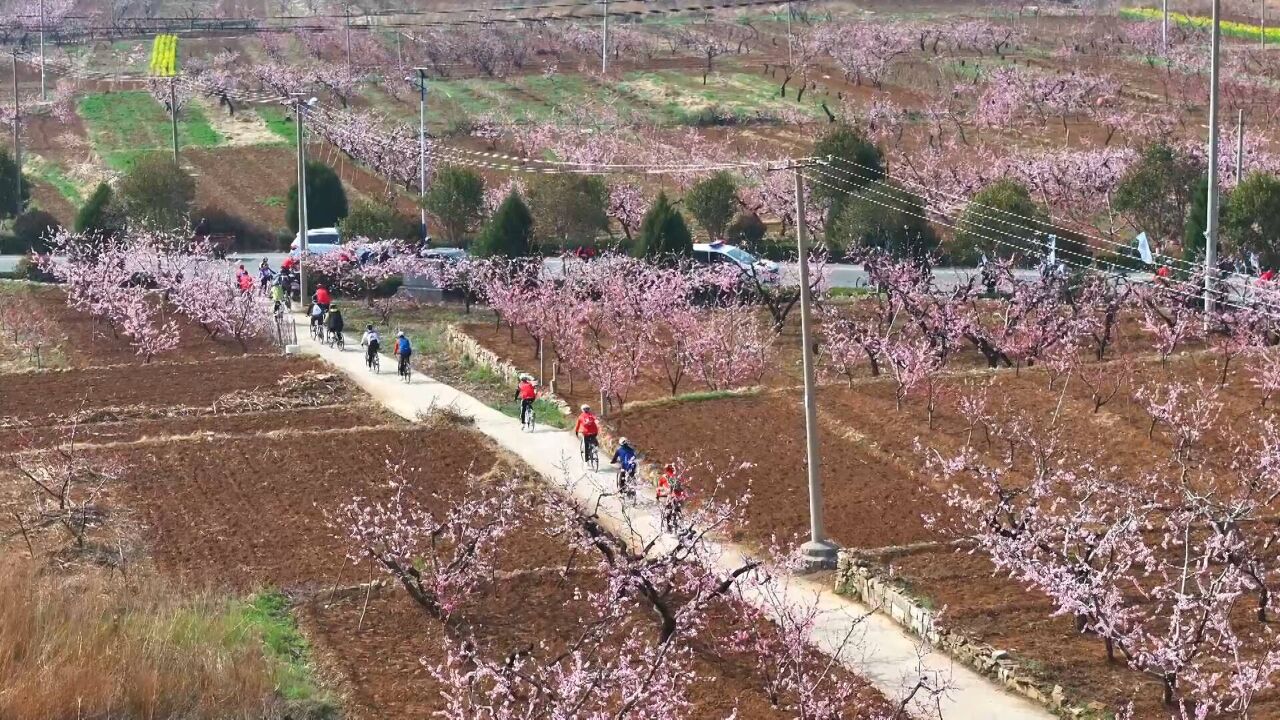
(624, 441)
(526, 376)
(586, 408)
(368, 328)
(670, 468)
(399, 333)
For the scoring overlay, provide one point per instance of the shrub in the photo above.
(855, 161)
(712, 202)
(8, 185)
(98, 214)
(377, 221)
(455, 201)
(663, 233)
(156, 193)
(27, 270)
(568, 210)
(510, 231)
(897, 225)
(326, 199)
(32, 230)
(1002, 221)
(746, 229)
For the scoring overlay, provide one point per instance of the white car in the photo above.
(720, 253)
(319, 241)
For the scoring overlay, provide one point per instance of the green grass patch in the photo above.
(850, 292)
(267, 614)
(279, 123)
(1230, 28)
(274, 201)
(126, 125)
(545, 413)
(682, 99)
(51, 173)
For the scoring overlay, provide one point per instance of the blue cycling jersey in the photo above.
(625, 456)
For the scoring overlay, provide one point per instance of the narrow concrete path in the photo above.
(875, 648)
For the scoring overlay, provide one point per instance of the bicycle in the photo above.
(337, 339)
(591, 453)
(527, 419)
(317, 332)
(405, 371)
(672, 510)
(627, 483)
(373, 362)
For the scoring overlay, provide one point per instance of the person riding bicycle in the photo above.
(589, 429)
(321, 298)
(526, 393)
(625, 457)
(317, 316)
(371, 342)
(333, 321)
(403, 350)
(278, 296)
(265, 274)
(671, 496)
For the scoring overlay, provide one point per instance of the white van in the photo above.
(720, 253)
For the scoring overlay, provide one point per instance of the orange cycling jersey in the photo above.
(670, 485)
(587, 425)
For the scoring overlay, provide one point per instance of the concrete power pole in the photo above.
(347, 12)
(422, 153)
(604, 42)
(17, 136)
(302, 204)
(817, 552)
(1164, 24)
(1211, 221)
(1240, 147)
(44, 94)
(173, 115)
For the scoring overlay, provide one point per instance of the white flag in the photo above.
(1144, 249)
(1052, 259)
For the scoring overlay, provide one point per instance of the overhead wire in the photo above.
(1024, 222)
(1084, 262)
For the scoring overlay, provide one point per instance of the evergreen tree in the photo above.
(326, 199)
(663, 232)
(509, 232)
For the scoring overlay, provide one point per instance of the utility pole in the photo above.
(347, 9)
(1211, 222)
(17, 133)
(1240, 147)
(44, 95)
(422, 153)
(604, 43)
(817, 552)
(790, 59)
(173, 115)
(1164, 25)
(302, 203)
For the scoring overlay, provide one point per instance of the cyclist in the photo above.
(317, 316)
(625, 458)
(333, 321)
(371, 342)
(321, 298)
(526, 393)
(265, 275)
(589, 429)
(279, 297)
(671, 496)
(403, 351)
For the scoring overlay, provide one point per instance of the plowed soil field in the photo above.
(877, 491)
(125, 431)
(44, 397)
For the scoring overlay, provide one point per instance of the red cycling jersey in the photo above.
(527, 391)
(322, 296)
(587, 425)
(670, 486)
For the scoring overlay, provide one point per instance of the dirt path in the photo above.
(884, 656)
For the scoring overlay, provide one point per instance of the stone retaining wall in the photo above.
(864, 578)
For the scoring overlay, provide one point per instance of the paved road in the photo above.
(841, 276)
(880, 652)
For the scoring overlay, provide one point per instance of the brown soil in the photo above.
(248, 512)
(54, 394)
(127, 431)
(83, 341)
